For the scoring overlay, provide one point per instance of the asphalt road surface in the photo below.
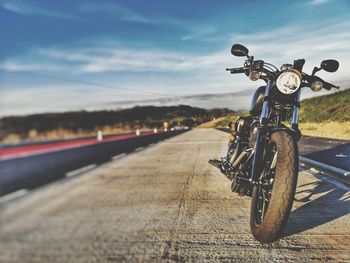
(326, 150)
(334, 152)
(166, 203)
(30, 149)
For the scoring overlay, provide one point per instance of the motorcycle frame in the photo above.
(263, 133)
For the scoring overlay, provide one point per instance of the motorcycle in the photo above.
(264, 162)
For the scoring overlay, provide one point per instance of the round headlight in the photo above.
(288, 81)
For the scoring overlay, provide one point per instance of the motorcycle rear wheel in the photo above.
(272, 198)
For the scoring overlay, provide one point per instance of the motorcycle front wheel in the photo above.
(272, 198)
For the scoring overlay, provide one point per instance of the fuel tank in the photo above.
(257, 101)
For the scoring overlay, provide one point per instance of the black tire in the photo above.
(285, 174)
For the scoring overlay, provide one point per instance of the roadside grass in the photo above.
(216, 123)
(221, 122)
(322, 116)
(327, 108)
(334, 129)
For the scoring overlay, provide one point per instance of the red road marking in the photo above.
(50, 147)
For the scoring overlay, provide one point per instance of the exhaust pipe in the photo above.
(240, 158)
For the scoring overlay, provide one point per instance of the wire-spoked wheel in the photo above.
(272, 197)
(264, 188)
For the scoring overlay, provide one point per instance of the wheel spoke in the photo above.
(266, 183)
(262, 212)
(274, 161)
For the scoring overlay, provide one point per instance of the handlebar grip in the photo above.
(236, 70)
(328, 86)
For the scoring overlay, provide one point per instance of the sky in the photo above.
(86, 54)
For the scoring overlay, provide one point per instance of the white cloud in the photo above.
(202, 34)
(23, 8)
(116, 10)
(188, 73)
(18, 101)
(278, 46)
(15, 65)
(97, 60)
(314, 43)
(318, 2)
(112, 10)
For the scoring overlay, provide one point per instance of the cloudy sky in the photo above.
(89, 54)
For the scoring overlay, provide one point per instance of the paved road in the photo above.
(37, 148)
(326, 150)
(334, 152)
(167, 203)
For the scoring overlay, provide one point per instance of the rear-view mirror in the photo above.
(239, 50)
(330, 65)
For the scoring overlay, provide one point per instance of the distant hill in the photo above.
(323, 116)
(84, 122)
(332, 107)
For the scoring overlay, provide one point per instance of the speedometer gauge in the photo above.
(288, 81)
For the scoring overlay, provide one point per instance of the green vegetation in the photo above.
(222, 122)
(326, 116)
(70, 124)
(339, 130)
(332, 107)
(323, 116)
(315, 113)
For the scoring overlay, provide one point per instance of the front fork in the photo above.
(294, 121)
(261, 135)
(262, 131)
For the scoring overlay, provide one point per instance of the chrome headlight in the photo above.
(288, 81)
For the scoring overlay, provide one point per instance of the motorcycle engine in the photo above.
(253, 134)
(246, 127)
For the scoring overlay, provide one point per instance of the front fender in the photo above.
(295, 133)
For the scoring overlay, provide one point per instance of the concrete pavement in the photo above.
(166, 203)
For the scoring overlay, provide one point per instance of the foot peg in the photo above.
(223, 165)
(216, 163)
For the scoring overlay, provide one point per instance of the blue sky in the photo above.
(73, 55)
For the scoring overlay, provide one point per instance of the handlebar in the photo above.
(328, 85)
(236, 70)
(309, 79)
